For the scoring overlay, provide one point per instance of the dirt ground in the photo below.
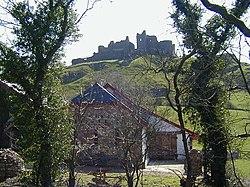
(164, 167)
(154, 168)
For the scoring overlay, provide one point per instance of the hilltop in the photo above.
(85, 73)
(124, 49)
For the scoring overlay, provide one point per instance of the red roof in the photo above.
(108, 95)
(128, 101)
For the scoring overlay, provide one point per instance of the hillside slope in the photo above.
(143, 71)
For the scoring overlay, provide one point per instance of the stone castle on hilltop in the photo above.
(124, 49)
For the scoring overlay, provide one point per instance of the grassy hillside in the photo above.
(85, 74)
(144, 71)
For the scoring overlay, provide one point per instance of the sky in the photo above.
(114, 20)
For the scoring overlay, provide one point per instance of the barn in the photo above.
(104, 116)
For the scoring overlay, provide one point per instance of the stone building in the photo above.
(108, 120)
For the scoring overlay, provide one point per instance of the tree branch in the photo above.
(87, 9)
(245, 135)
(231, 18)
(242, 72)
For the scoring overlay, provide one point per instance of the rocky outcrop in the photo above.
(11, 164)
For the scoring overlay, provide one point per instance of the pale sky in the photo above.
(114, 20)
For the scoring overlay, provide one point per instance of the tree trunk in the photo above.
(216, 142)
(71, 165)
(45, 161)
(130, 181)
(45, 164)
(218, 166)
(180, 117)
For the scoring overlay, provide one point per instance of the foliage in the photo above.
(41, 31)
(206, 96)
(4, 116)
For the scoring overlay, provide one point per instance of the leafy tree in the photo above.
(41, 31)
(207, 95)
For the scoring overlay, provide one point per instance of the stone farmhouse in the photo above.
(124, 49)
(105, 119)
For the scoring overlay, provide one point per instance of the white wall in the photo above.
(163, 126)
(180, 146)
(144, 147)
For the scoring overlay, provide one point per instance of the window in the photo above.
(95, 138)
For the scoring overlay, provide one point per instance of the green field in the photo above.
(144, 71)
(237, 116)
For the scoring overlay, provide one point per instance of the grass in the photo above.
(237, 119)
(146, 180)
(240, 100)
(160, 180)
(242, 167)
(95, 62)
(137, 70)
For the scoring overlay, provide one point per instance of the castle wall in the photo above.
(149, 45)
(124, 49)
(115, 50)
(166, 47)
(141, 42)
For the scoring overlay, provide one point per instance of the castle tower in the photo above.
(142, 42)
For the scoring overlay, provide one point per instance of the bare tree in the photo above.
(77, 146)
(115, 132)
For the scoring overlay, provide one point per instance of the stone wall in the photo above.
(99, 130)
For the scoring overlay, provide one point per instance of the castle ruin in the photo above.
(124, 49)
